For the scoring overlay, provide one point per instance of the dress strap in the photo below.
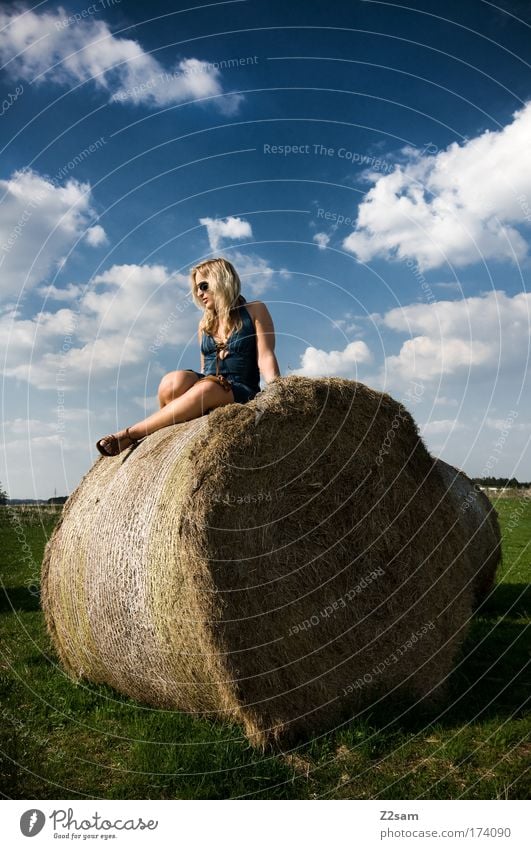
(220, 346)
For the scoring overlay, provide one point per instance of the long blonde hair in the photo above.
(225, 286)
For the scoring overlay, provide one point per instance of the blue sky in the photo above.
(366, 166)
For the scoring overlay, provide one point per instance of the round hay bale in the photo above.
(279, 564)
(480, 524)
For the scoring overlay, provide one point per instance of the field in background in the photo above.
(64, 740)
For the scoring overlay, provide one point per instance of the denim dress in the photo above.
(239, 366)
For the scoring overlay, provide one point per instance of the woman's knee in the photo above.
(174, 383)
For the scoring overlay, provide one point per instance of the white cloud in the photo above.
(318, 363)
(442, 426)
(256, 275)
(28, 426)
(508, 425)
(459, 206)
(490, 331)
(96, 236)
(128, 315)
(41, 428)
(39, 222)
(347, 325)
(443, 401)
(126, 310)
(322, 240)
(220, 229)
(423, 358)
(51, 46)
(71, 292)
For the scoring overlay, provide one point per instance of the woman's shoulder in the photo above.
(255, 308)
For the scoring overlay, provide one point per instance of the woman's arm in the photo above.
(202, 369)
(265, 339)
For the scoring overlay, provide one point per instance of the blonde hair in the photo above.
(225, 285)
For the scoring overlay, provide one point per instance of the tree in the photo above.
(3, 496)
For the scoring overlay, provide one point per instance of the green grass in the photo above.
(64, 740)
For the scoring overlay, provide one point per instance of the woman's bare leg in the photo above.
(203, 396)
(175, 383)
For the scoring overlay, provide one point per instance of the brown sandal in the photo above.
(115, 444)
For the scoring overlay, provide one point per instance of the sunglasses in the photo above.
(202, 286)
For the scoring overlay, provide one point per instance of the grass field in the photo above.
(61, 740)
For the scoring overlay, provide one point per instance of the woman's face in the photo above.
(206, 297)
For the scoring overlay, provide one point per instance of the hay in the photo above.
(480, 524)
(279, 563)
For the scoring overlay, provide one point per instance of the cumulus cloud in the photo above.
(443, 401)
(460, 205)
(39, 221)
(322, 240)
(441, 426)
(56, 46)
(255, 273)
(508, 425)
(347, 324)
(96, 236)
(126, 311)
(71, 292)
(489, 331)
(123, 317)
(224, 229)
(318, 363)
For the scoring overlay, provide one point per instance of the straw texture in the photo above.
(480, 524)
(279, 563)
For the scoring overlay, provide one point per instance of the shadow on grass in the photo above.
(512, 600)
(20, 599)
(490, 679)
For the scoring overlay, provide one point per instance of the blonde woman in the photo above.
(237, 342)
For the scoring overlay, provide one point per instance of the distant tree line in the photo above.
(4, 500)
(502, 483)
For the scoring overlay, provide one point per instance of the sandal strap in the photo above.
(132, 438)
